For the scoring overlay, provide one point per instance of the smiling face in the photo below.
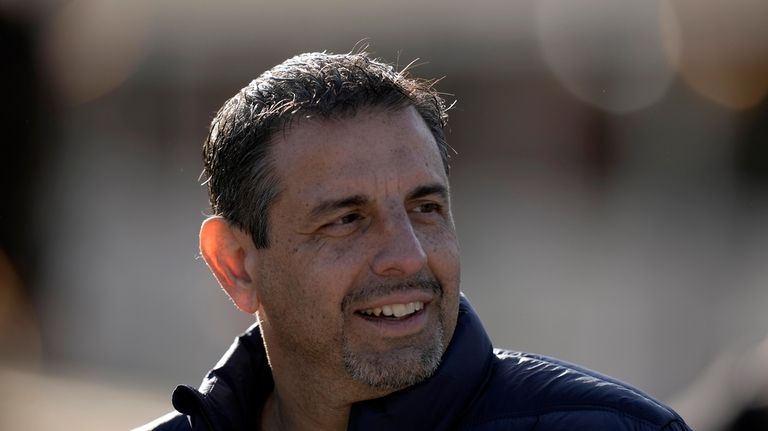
(360, 283)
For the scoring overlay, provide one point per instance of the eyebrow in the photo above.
(329, 206)
(429, 189)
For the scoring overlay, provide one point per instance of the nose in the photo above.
(400, 252)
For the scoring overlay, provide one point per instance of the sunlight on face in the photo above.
(361, 279)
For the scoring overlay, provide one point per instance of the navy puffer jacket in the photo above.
(475, 388)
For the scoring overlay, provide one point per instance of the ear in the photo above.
(225, 249)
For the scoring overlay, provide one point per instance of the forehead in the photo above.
(373, 147)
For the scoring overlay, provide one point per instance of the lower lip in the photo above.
(403, 327)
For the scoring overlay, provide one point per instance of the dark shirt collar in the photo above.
(233, 393)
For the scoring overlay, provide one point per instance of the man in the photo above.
(328, 176)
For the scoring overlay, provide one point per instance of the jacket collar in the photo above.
(234, 391)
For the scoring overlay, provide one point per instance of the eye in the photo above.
(346, 219)
(343, 225)
(428, 207)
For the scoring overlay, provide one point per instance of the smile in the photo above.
(394, 310)
(394, 317)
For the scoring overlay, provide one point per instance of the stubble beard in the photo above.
(400, 367)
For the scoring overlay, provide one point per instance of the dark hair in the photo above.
(240, 175)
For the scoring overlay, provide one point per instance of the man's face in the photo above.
(361, 279)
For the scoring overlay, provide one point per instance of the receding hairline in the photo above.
(373, 110)
(338, 117)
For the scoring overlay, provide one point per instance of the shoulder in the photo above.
(173, 421)
(552, 395)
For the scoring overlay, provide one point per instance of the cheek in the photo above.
(316, 276)
(336, 265)
(300, 307)
(442, 248)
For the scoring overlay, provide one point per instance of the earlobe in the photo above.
(225, 249)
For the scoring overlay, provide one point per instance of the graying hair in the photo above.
(239, 171)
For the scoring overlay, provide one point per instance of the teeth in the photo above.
(396, 310)
(399, 310)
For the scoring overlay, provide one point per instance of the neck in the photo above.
(307, 398)
(310, 392)
(284, 413)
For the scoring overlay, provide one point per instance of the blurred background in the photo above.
(610, 188)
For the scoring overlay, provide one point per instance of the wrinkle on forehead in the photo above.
(387, 151)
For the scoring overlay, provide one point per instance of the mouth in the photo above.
(398, 311)
(393, 318)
